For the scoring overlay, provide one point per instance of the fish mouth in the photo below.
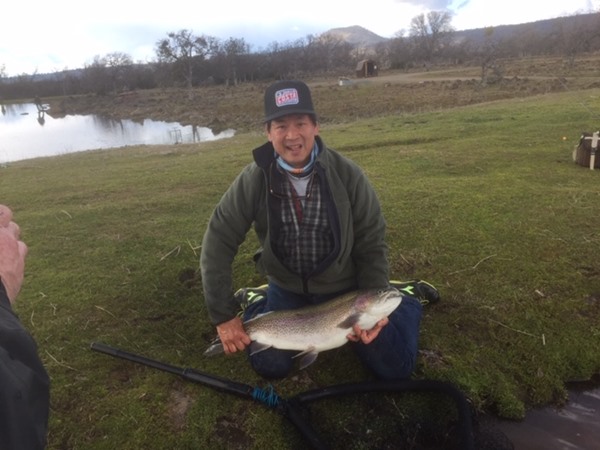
(389, 292)
(385, 296)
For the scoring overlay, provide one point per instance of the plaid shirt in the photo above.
(305, 238)
(355, 228)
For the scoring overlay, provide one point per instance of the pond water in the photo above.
(27, 133)
(576, 426)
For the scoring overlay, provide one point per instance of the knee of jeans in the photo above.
(272, 363)
(397, 372)
(400, 369)
(411, 305)
(391, 362)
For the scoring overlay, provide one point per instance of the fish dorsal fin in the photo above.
(349, 321)
(307, 357)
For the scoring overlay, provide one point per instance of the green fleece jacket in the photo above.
(359, 257)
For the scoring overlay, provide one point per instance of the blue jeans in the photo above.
(391, 356)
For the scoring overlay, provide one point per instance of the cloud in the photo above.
(43, 36)
(432, 5)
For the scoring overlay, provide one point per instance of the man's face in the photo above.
(293, 137)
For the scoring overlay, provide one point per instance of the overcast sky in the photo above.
(49, 36)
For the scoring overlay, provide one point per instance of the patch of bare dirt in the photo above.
(229, 433)
(178, 407)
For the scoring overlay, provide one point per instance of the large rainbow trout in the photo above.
(314, 329)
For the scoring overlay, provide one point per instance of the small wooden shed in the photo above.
(366, 68)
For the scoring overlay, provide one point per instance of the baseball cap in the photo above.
(287, 97)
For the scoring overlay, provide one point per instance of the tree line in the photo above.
(184, 59)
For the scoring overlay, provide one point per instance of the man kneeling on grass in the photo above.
(322, 234)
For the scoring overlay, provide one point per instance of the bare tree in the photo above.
(400, 53)
(488, 54)
(108, 73)
(577, 35)
(327, 52)
(96, 77)
(233, 49)
(287, 60)
(430, 33)
(183, 49)
(119, 66)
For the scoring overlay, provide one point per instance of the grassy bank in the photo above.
(483, 201)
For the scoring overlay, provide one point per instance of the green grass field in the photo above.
(483, 201)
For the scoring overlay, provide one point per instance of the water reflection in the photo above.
(27, 131)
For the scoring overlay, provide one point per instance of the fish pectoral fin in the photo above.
(307, 357)
(257, 347)
(349, 321)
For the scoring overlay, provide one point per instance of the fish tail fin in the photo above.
(216, 347)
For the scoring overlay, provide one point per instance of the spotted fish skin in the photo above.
(317, 328)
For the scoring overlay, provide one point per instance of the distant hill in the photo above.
(361, 37)
(356, 35)
(540, 27)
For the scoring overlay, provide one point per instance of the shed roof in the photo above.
(362, 63)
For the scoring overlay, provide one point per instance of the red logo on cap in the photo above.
(286, 97)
